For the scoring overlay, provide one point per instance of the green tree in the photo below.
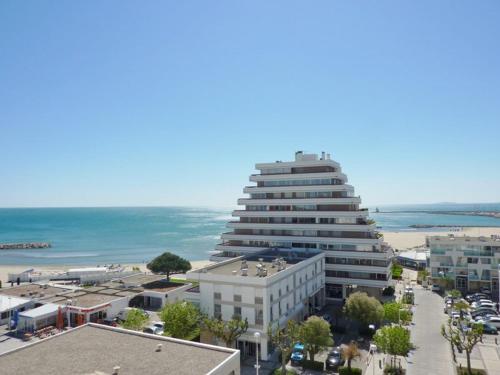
(181, 320)
(168, 263)
(463, 337)
(350, 352)
(454, 293)
(422, 274)
(226, 331)
(316, 335)
(136, 319)
(394, 312)
(284, 340)
(393, 340)
(363, 308)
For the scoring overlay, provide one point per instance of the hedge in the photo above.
(353, 371)
(313, 365)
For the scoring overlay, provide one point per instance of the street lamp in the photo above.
(257, 341)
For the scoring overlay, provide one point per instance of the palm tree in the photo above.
(350, 352)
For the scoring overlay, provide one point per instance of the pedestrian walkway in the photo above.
(432, 355)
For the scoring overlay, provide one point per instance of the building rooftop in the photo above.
(415, 255)
(88, 300)
(141, 279)
(8, 302)
(34, 291)
(262, 264)
(92, 348)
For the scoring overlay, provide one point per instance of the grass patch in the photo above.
(279, 372)
(396, 271)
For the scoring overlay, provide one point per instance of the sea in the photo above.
(97, 236)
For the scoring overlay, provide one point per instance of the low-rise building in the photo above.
(10, 304)
(417, 259)
(269, 287)
(470, 263)
(96, 349)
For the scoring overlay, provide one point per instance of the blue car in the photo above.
(297, 354)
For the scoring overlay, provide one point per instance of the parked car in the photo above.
(435, 288)
(153, 330)
(489, 329)
(488, 305)
(159, 325)
(297, 354)
(491, 320)
(408, 289)
(483, 312)
(334, 359)
(476, 297)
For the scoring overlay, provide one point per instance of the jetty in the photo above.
(24, 245)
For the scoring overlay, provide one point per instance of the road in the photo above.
(433, 353)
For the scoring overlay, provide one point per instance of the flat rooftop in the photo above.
(141, 279)
(92, 348)
(265, 259)
(90, 300)
(33, 291)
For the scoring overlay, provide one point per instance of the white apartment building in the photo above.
(471, 262)
(269, 287)
(307, 204)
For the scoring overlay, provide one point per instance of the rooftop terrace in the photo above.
(92, 348)
(262, 264)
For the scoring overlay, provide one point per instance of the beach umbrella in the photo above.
(60, 319)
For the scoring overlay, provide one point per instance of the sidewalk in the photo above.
(376, 364)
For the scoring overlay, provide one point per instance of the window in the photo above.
(217, 295)
(217, 311)
(259, 301)
(237, 298)
(279, 292)
(237, 311)
(259, 316)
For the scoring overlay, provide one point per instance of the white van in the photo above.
(122, 315)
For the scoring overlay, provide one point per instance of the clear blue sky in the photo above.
(173, 102)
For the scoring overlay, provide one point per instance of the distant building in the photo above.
(307, 204)
(417, 259)
(270, 287)
(99, 350)
(470, 262)
(86, 305)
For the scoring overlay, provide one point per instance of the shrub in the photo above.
(394, 371)
(313, 365)
(353, 371)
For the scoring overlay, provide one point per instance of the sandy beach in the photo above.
(398, 240)
(409, 239)
(5, 270)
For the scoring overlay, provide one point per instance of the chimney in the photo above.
(322, 155)
(116, 370)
